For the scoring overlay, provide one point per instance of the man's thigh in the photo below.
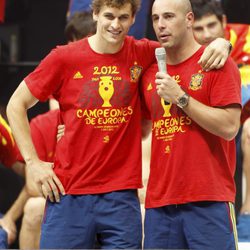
(210, 225)
(69, 224)
(163, 229)
(118, 217)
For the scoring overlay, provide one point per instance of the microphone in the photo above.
(160, 54)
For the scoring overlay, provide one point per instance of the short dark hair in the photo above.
(80, 25)
(203, 8)
(97, 4)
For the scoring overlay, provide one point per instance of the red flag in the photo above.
(2, 10)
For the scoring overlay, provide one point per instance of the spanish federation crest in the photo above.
(135, 72)
(196, 81)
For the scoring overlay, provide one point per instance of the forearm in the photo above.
(245, 145)
(16, 209)
(18, 119)
(222, 122)
(246, 169)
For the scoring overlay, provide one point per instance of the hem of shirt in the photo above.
(182, 201)
(103, 189)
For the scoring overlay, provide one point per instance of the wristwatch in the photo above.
(182, 101)
(230, 47)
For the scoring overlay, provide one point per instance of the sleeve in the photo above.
(46, 79)
(8, 148)
(225, 85)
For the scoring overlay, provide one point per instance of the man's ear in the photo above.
(95, 16)
(133, 20)
(190, 19)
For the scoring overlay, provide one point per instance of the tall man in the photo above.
(95, 174)
(195, 116)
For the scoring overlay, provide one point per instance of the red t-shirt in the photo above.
(100, 107)
(8, 148)
(188, 163)
(43, 130)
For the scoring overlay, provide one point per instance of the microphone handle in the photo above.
(163, 68)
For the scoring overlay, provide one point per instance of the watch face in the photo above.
(183, 101)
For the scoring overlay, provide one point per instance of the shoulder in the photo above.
(72, 46)
(142, 42)
(151, 71)
(230, 68)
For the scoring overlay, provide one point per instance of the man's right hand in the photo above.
(45, 179)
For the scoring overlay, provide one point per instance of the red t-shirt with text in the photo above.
(188, 163)
(100, 107)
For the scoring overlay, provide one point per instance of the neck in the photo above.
(103, 47)
(182, 52)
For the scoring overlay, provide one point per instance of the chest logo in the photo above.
(106, 90)
(135, 72)
(78, 75)
(196, 81)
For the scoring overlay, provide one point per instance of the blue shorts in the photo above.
(3, 237)
(113, 218)
(196, 226)
(243, 227)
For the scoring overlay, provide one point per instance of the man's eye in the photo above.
(123, 18)
(109, 17)
(155, 18)
(198, 29)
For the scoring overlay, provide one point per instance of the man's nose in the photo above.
(115, 23)
(161, 24)
(207, 34)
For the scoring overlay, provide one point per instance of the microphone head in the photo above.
(160, 54)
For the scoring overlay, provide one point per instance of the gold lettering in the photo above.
(182, 120)
(79, 113)
(90, 121)
(188, 120)
(106, 70)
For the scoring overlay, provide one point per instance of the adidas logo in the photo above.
(78, 75)
(150, 87)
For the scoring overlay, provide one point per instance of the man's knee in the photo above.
(246, 133)
(33, 212)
